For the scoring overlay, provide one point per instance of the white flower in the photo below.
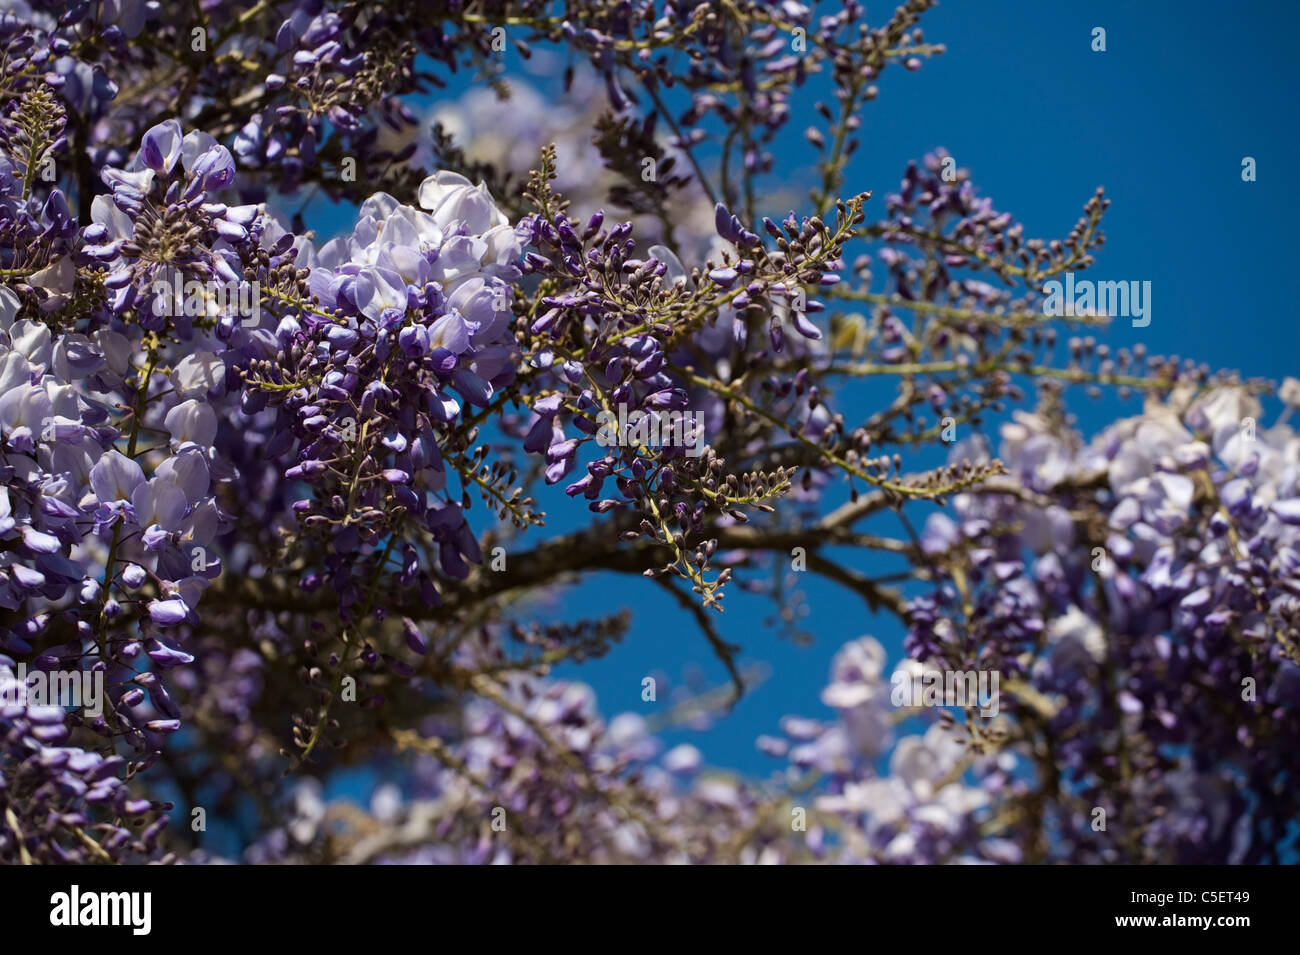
(1077, 630)
(1139, 444)
(450, 197)
(1289, 393)
(191, 421)
(197, 373)
(1224, 409)
(683, 758)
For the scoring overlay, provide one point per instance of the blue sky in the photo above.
(1162, 119)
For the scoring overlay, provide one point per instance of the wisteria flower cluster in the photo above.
(270, 512)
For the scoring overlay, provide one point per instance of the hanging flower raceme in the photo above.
(1190, 591)
(412, 322)
(172, 250)
(107, 513)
